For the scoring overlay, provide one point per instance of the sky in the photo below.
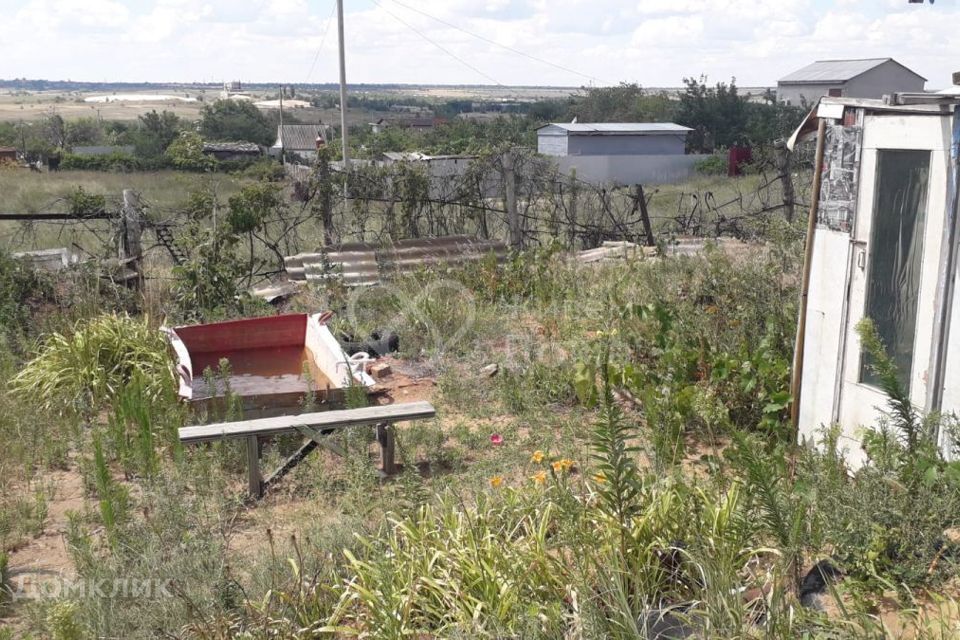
(655, 43)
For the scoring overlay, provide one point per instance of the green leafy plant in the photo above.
(4, 578)
(83, 204)
(82, 370)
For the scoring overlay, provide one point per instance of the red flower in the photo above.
(496, 439)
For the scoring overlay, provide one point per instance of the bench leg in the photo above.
(254, 481)
(385, 437)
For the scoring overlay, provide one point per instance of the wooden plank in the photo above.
(254, 484)
(321, 438)
(385, 437)
(319, 420)
(288, 464)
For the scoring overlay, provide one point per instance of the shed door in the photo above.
(896, 249)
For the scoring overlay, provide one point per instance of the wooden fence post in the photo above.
(254, 481)
(786, 177)
(130, 242)
(510, 194)
(645, 216)
(572, 215)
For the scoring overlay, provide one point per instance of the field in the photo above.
(611, 457)
(28, 106)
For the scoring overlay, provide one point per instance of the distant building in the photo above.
(421, 124)
(286, 104)
(300, 139)
(232, 150)
(443, 171)
(8, 154)
(126, 150)
(411, 123)
(619, 152)
(865, 78)
(612, 139)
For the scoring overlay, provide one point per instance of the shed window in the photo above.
(835, 93)
(896, 251)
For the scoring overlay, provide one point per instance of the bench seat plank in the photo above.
(321, 420)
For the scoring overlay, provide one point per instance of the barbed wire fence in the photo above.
(382, 204)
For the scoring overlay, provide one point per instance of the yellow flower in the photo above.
(496, 481)
(557, 467)
(537, 457)
(599, 477)
(539, 477)
(566, 463)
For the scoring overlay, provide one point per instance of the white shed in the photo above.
(884, 247)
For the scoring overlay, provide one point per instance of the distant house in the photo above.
(612, 139)
(865, 78)
(8, 154)
(300, 139)
(443, 171)
(232, 150)
(125, 149)
(619, 152)
(413, 123)
(422, 124)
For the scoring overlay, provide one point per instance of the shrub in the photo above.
(84, 204)
(714, 165)
(83, 370)
(116, 161)
(186, 153)
(20, 286)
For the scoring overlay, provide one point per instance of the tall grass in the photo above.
(82, 370)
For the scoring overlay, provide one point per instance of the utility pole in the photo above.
(283, 160)
(343, 92)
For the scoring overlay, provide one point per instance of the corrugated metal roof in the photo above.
(834, 70)
(361, 263)
(232, 147)
(618, 128)
(302, 137)
(102, 150)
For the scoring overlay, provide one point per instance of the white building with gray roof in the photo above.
(619, 152)
(612, 139)
(864, 78)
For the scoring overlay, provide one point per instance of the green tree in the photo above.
(155, 132)
(626, 102)
(186, 152)
(83, 131)
(235, 120)
(717, 115)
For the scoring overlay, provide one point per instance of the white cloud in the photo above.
(653, 42)
(674, 31)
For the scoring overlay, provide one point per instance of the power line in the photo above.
(323, 40)
(436, 44)
(495, 43)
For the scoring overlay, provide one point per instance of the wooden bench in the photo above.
(315, 426)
